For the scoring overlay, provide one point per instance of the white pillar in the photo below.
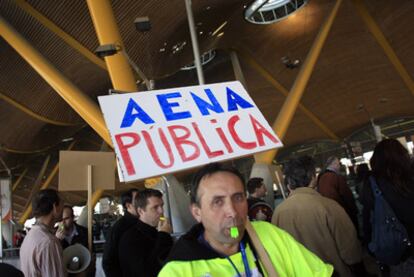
(268, 173)
(177, 207)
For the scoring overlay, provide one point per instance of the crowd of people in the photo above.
(314, 232)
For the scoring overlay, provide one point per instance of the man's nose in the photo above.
(230, 209)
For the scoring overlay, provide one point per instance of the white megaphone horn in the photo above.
(76, 258)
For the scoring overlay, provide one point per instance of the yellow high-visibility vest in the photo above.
(289, 257)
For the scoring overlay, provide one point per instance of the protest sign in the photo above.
(164, 131)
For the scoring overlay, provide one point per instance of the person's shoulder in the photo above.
(267, 231)
(38, 236)
(176, 268)
(265, 227)
(130, 235)
(81, 229)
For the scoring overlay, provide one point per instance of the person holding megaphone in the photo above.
(70, 233)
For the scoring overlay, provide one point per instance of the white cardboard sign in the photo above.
(164, 131)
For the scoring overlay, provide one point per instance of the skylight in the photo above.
(267, 12)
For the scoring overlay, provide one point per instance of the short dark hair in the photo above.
(299, 172)
(209, 170)
(253, 184)
(141, 200)
(43, 201)
(69, 207)
(126, 197)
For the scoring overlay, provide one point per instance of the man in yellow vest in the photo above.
(219, 244)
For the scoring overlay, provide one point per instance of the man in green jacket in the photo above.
(219, 245)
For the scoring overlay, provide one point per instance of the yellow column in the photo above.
(107, 32)
(118, 66)
(19, 179)
(80, 102)
(291, 103)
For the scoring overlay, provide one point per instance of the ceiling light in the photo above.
(270, 11)
(219, 28)
(290, 63)
(142, 24)
(205, 58)
(106, 50)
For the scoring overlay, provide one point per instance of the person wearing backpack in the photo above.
(390, 190)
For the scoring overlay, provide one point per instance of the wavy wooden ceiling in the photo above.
(352, 69)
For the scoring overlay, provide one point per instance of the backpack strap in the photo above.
(375, 189)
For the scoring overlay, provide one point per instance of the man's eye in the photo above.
(239, 197)
(218, 202)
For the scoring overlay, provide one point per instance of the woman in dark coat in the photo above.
(391, 167)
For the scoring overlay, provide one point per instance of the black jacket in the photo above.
(110, 260)
(142, 250)
(81, 237)
(402, 205)
(10, 271)
(189, 248)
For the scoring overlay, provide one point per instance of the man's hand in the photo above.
(164, 226)
(60, 233)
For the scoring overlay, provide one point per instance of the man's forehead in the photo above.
(67, 210)
(220, 182)
(155, 200)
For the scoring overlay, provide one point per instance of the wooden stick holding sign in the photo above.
(81, 170)
(90, 208)
(261, 251)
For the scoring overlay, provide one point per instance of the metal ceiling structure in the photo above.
(367, 60)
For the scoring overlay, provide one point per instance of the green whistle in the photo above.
(234, 232)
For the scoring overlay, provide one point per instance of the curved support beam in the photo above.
(96, 196)
(289, 107)
(385, 45)
(17, 151)
(19, 179)
(268, 76)
(60, 33)
(107, 31)
(80, 102)
(46, 184)
(31, 113)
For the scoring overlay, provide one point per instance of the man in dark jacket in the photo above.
(333, 185)
(69, 232)
(110, 260)
(258, 208)
(144, 247)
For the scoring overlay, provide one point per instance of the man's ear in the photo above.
(196, 212)
(139, 211)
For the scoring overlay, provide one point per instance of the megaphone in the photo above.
(76, 258)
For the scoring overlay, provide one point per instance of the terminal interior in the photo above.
(349, 63)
